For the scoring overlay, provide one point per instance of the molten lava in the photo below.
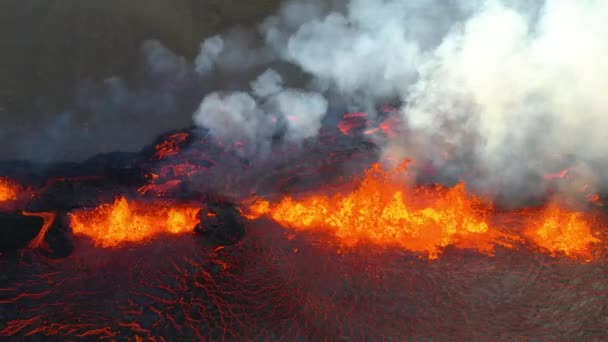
(171, 146)
(381, 211)
(562, 232)
(123, 221)
(426, 219)
(48, 219)
(9, 190)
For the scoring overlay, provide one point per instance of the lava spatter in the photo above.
(132, 221)
(382, 211)
(426, 219)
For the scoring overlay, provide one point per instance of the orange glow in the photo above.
(49, 218)
(426, 219)
(9, 190)
(171, 146)
(123, 221)
(562, 232)
(382, 211)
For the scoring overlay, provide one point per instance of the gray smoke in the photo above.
(249, 120)
(132, 113)
(502, 92)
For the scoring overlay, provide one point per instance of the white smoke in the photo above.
(249, 123)
(500, 87)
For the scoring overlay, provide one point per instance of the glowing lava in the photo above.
(48, 219)
(426, 219)
(381, 211)
(562, 232)
(9, 190)
(170, 146)
(123, 221)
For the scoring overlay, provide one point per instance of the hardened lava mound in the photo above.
(187, 241)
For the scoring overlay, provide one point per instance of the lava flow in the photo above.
(425, 219)
(108, 225)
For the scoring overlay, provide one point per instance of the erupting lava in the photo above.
(383, 212)
(424, 219)
(123, 221)
(9, 190)
(560, 231)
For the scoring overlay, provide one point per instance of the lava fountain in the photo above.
(425, 219)
(111, 224)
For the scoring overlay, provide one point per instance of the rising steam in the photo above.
(501, 92)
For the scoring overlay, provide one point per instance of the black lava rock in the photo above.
(221, 221)
(17, 230)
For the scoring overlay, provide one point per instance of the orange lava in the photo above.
(384, 212)
(132, 221)
(562, 232)
(49, 218)
(171, 146)
(9, 190)
(425, 219)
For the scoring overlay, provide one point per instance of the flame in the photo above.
(123, 221)
(426, 219)
(9, 190)
(382, 212)
(560, 231)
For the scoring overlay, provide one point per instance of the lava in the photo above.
(561, 231)
(109, 225)
(426, 219)
(9, 190)
(49, 218)
(170, 146)
(383, 212)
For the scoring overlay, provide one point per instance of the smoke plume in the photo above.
(499, 93)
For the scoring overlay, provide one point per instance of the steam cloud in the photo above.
(507, 90)
(498, 92)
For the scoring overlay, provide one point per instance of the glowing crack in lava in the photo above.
(48, 219)
(9, 190)
(108, 225)
(170, 146)
(424, 219)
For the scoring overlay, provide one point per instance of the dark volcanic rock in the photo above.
(59, 238)
(221, 221)
(16, 230)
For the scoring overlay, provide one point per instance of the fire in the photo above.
(381, 211)
(123, 221)
(426, 219)
(561, 231)
(9, 190)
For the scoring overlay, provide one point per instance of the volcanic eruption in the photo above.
(392, 170)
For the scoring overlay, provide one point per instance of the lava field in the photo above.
(186, 240)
